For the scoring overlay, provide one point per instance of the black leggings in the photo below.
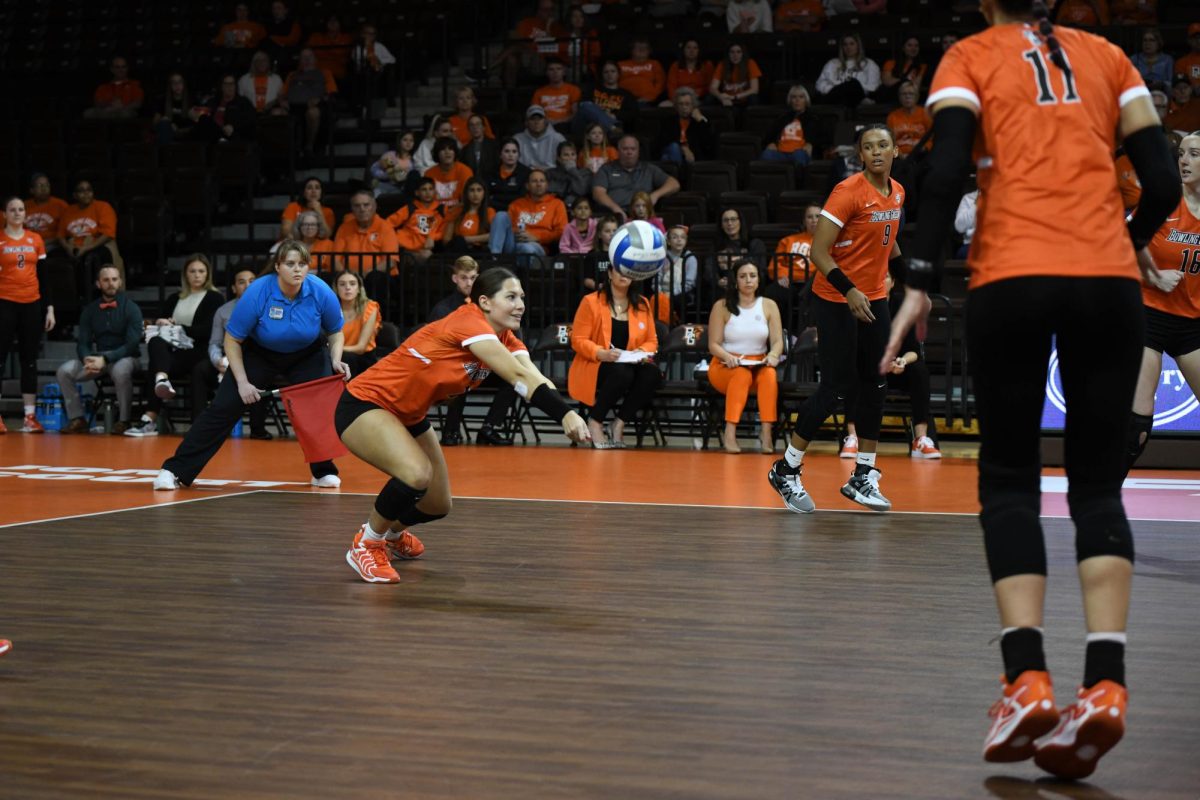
(915, 382)
(25, 321)
(634, 382)
(1097, 325)
(848, 352)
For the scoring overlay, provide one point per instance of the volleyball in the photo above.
(637, 250)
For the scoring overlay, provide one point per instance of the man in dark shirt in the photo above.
(110, 337)
(616, 183)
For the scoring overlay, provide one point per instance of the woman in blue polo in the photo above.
(276, 336)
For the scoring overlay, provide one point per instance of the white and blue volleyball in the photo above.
(637, 250)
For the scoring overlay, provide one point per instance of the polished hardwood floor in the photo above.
(223, 648)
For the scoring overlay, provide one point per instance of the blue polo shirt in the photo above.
(265, 315)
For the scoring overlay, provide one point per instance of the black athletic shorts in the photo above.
(1171, 334)
(350, 408)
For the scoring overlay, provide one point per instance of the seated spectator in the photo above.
(533, 224)
(614, 186)
(87, 233)
(223, 115)
(480, 153)
(108, 342)
(332, 48)
(597, 263)
(788, 140)
(283, 34)
(735, 81)
(193, 308)
(568, 182)
(449, 176)
(1134, 12)
(1161, 101)
(171, 116)
(964, 221)
(308, 92)
(418, 225)
(611, 320)
(465, 102)
(908, 67)
(1152, 63)
(679, 272)
(910, 122)
(439, 128)
(689, 71)
(849, 78)
(464, 271)
(211, 371)
(120, 98)
(1127, 181)
(580, 233)
(733, 245)
(536, 38)
(507, 182)
(43, 211)
(1189, 64)
(1183, 114)
(370, 236)
(745, 338)
(395, 172)
(859, 7)
(1082, 13)
(642, 207)
(261, 86)
(799, 16)
(687, 137)
(374, 68)
(596, 151)
(310, 199)
(308, 231)
(641, 75)
(580, 46)
(749, 16)
(539, 141)
(241, 34)
(558, 98)
(363, 320)
(469, 225)
(789, 271)
(612, 107)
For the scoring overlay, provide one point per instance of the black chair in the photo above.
(91, 156)
(183, 156)
(772, 177)
(552, 352)
(790, 205)
(713, 177)
(141, 182)
(683, 208)
(751, 205)
(740, 148)
(685, 403)
(137, 155)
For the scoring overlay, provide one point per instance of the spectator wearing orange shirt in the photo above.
(241, 34)
(1183, 114)
(465, 102)
(418, 225)
(310, 197)
(642, 76)
(799, 16)
(44, 211)
(307, 91)
(789, 140)
(595, 151)
(283, 34)
(735, 81)
(312, 232)
(910, 121)
(1189, 65)
(449, 175)
(535, 38)
(362, 321)
(332, 47)
(1082, 13)
(120, 98)
(907, 66)
(468, 226)
(533, 224)
(558, 98)
(367, 234)
(790, 266)
(87, 233)
(688, 71)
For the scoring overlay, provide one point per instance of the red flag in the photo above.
(310, 407)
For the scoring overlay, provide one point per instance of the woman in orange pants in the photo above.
(745, 337)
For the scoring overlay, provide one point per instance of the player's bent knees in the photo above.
(417, 473)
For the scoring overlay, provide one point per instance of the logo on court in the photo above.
(1175, 407)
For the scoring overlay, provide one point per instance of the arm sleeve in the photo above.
(941, 191)
(825, 81)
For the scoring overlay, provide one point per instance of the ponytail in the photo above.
(1046, 28)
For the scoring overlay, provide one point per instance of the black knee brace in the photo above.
(418, 517)
(1101, 527)
(1140, 426)
(1012, 533)
(397, 499)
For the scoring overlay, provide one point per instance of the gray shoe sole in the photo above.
(879, 503)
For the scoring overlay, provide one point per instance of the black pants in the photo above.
(204, 381)
(848, 352)
(497, 414)
(633, 382)
(175, 363)
(25, 321)
(849, 94)
(265, 369)
(1097, 324)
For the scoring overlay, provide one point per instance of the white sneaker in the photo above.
(925, 448)
(144, 427)
(864, 490)
(327, 482)
(164, 390)
(849, 447)
(166, 481)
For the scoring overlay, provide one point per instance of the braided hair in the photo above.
(1041, 15)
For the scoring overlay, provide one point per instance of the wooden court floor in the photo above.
(616, 634)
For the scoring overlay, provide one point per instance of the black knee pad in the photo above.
(397, 499)
(1140, 426)
(1012, 532)
(1101, 527)
(418, 517)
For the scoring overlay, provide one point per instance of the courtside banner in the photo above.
(310, 408)
(1176, 409)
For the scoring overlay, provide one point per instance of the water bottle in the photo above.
(108, 417)
(237, 430)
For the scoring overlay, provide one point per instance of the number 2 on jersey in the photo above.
(1041, 74)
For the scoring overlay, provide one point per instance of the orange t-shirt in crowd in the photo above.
(128, 92)
(318, 250)
(1177, 246)
(333, 52)
(378, 238)
(468, 224)
(352, 328)
(45, 218)
(914, 77)
(542, 219)
(449, 184)
(293, 210)
(698, 79)
(431, 365)
(596, 157)
(18, 266)
(1189, 65)
(870, 224)
(1082, 12)
(751, 72)
(799, 15)
(535, 29)
(240, 35)
(1127, 182)
(798, 246)
(908, 127)
(417, 222)
(558, 101)
(791, 138)
(645, 80)
(1044, 209)
(1185, 117)
(459, 124)
(98, 219)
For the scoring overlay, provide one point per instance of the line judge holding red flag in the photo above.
(286, 329)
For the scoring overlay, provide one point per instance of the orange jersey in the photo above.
(44, 218)
(1189, 65)
(1177, 246)
(79, 224)
(431, 365)
(18, 266)
(870, 223)
(1127, 182)
(320, 251)
(558, 101)
(791, 257)
(468, 224)
(417, 222)
(642, 79)
(908, 127)
(594, 158)
(352, 328)
(1048, 197)
(379, 237)
(459, 124)
(542, 219)
(293, 210)
(791, 138)
(749, 72)
(449, 184)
